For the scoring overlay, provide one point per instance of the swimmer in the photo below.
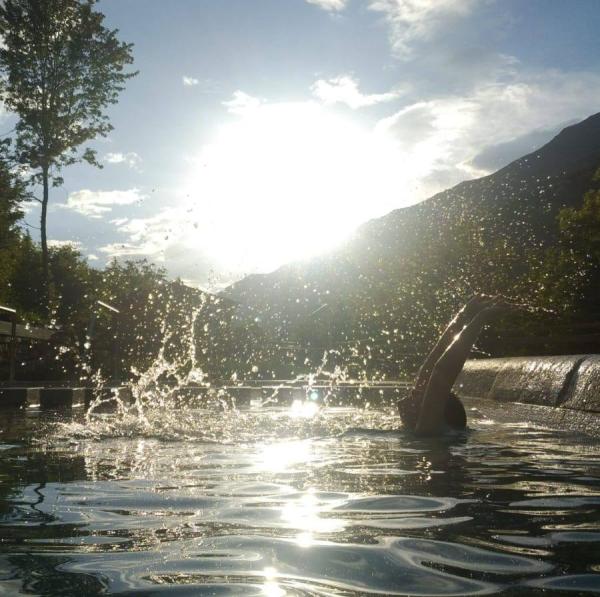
(432, 408)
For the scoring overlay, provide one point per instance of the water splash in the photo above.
(173, 398)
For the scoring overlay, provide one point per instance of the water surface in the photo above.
(276, 502)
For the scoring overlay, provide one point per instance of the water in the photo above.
(279, 501)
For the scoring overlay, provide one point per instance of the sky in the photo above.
(260, 132)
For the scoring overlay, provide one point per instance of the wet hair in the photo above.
(454, 413)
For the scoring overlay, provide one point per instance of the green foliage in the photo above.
(572, 270)
(156, 317)
(12, 193)
(62, 68)
(24, 282)
(11, 196)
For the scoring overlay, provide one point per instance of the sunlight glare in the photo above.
(272, 589)
(304, 514)
(282, 456)
(303, 409)
(288, 181)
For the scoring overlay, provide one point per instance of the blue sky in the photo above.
(263, 131)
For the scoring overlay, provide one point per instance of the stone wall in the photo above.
(570, 382)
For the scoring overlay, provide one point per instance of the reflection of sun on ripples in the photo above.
(282, 456)
(305, 539)
(304, 514)
(271, 588)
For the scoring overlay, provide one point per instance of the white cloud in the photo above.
(59, 244)
(149, 236)
(125, 250)
(130, 159)
(171, 237)
(29, 207)
(242, 103)
(189, 81)
(412, 20)
(441, 137)
(92, 257)
(330, 5)
(94, 204)
(344, 90)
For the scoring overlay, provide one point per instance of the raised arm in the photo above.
(443, 376)
(431, 414)
(474, 306)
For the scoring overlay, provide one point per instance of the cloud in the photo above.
(59, 244)
(413, 20)
(242, 103)
(344, 90)
(442, 138)
(494, 157)
(330, 5)
(205, 85)
(130, 159)
(125, 250)
(171, 236)
(146, 236)
(94, 204)
(92, 257)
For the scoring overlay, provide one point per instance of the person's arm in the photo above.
(474, 306)
(444, 374)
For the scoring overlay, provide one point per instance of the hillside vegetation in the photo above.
(525, 231)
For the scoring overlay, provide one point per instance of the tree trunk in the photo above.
(44, 238)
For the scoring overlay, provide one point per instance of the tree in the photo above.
(576, 264)
(11, 195)
(62, 69)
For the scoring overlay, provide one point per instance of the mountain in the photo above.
(402, 274)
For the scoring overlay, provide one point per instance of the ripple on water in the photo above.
(390, 567)
(265, 504)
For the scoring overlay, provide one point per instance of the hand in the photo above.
(478, 302)
(499, 304)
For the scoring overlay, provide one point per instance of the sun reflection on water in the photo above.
(272, 589)
(282, 456)
(304, 514)
(305, 539)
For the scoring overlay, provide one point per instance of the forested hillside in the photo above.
(383, 296)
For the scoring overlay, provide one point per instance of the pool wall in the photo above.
(563, 390)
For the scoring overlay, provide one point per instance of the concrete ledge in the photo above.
(569, 382)
(584, 390)
(13, 397)
(61, 398)
(477, 377)
(541, 381)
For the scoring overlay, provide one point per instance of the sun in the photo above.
(285, 182)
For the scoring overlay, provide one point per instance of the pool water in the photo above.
(273, 502)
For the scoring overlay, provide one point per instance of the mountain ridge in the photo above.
(431, 249)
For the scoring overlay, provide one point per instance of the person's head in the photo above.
(454, 413)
